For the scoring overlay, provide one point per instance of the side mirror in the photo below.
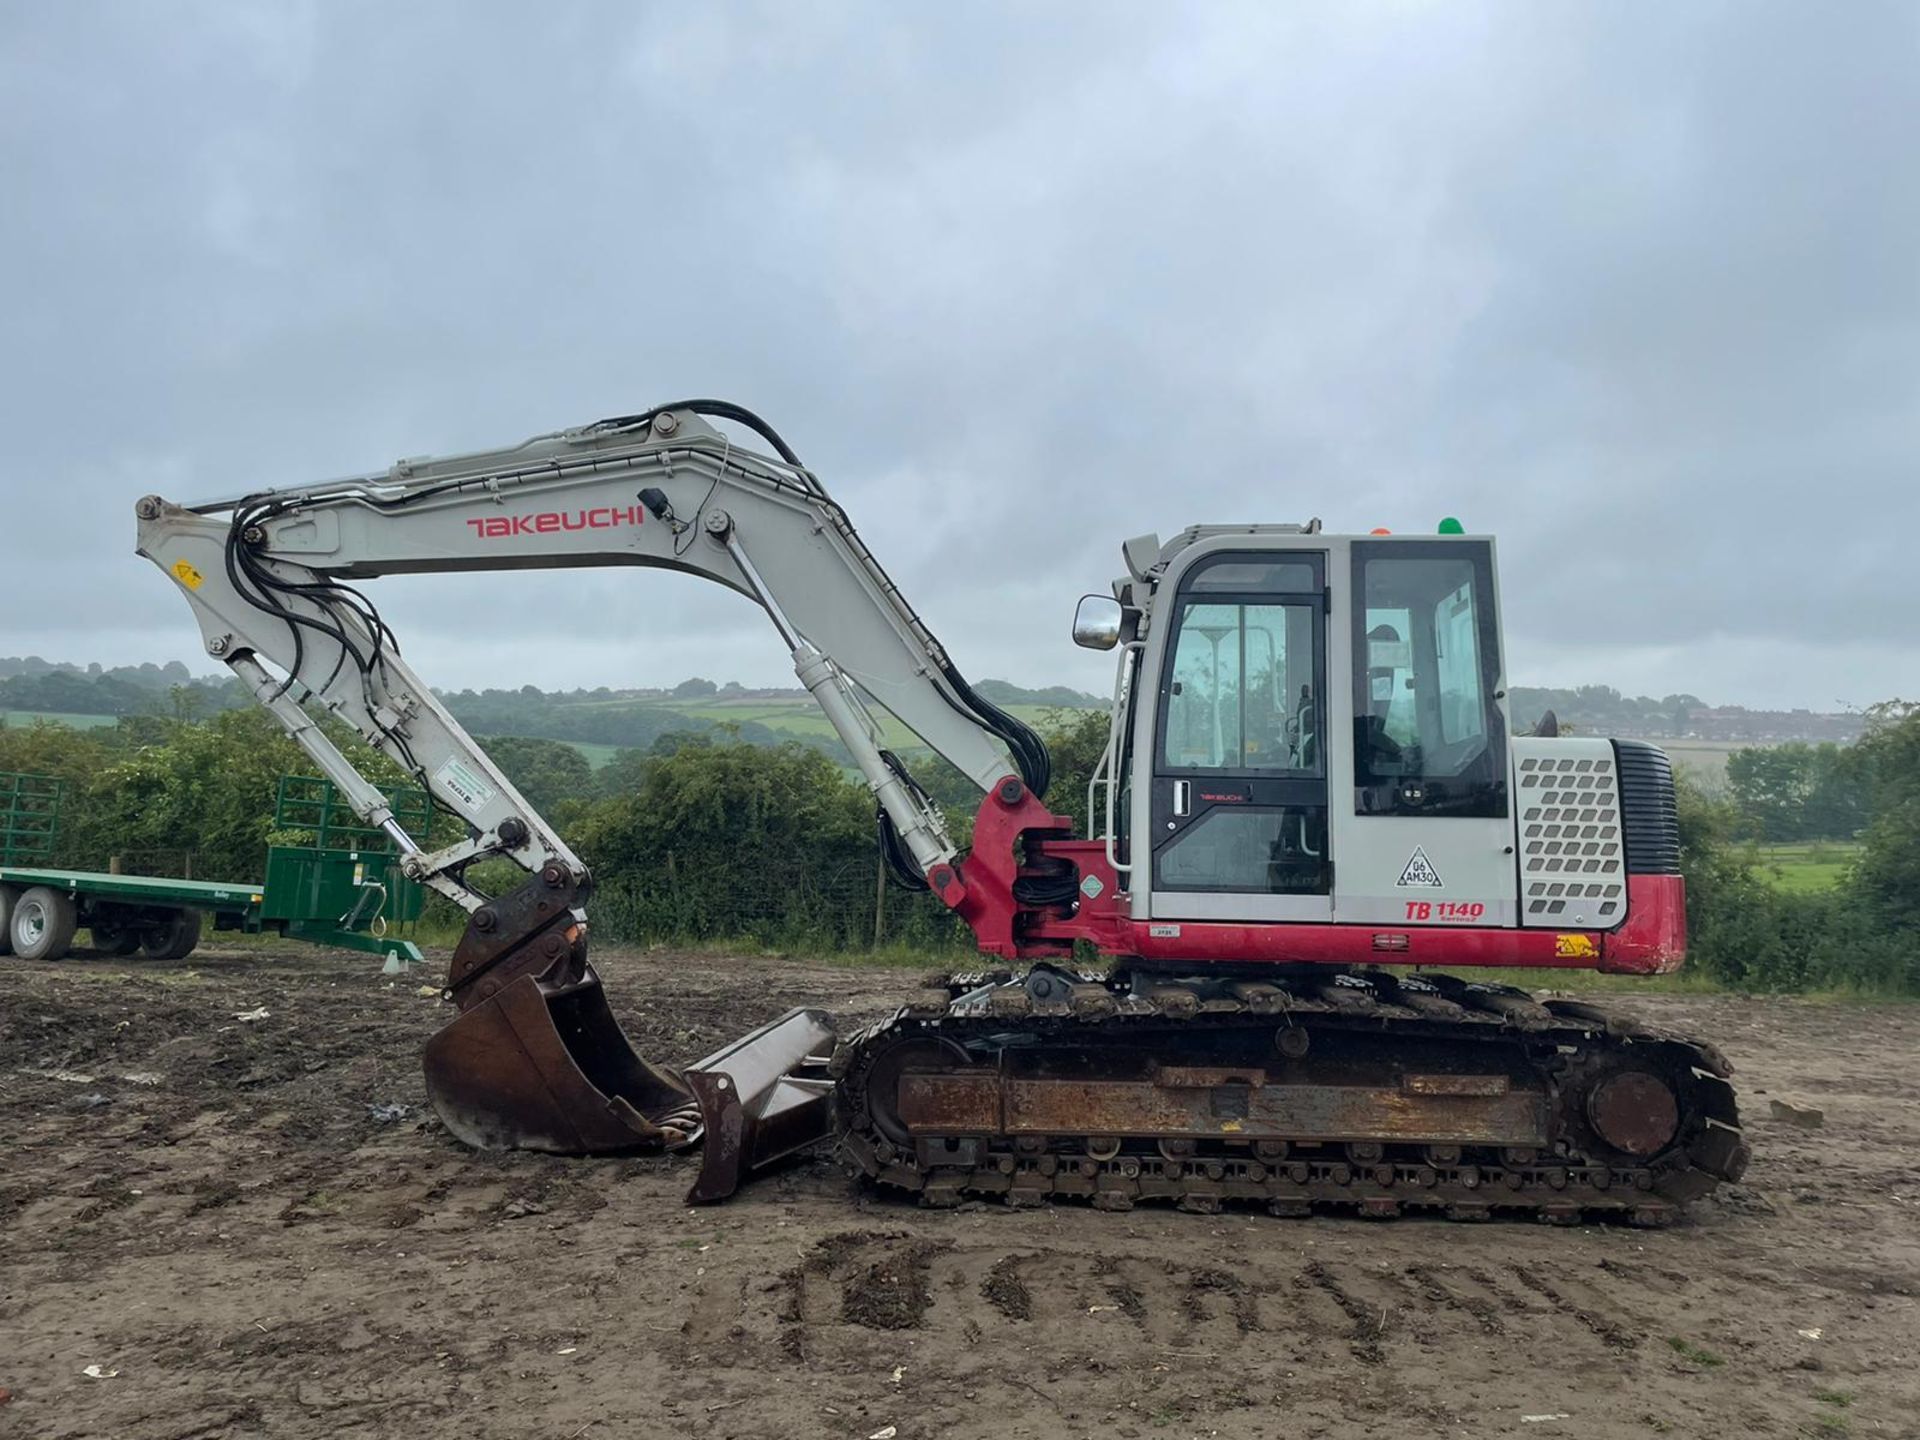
(1096, 622)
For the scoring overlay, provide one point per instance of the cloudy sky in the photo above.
(1634, 287)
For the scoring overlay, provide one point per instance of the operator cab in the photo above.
(1327, 733)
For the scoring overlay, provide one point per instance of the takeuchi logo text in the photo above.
(552, 522)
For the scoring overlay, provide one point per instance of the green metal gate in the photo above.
(29, 817)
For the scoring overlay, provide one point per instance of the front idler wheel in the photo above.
(919, 1054)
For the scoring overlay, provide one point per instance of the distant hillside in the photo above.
(638, 718)
(602, 720)
(1002, 692)
(32, 684)
(1602, 710)
(148, 676)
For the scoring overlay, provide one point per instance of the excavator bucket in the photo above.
(535, 1060)
(543, 1065)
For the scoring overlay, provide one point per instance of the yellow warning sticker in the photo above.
(188, 576)
(1575, 947)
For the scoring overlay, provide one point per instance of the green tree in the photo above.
(1888, 873)
(1798, 791)
(1076, 739)
(1719, 871)
(550, 773)
(730, 839)
(1839, 792)
(1748, 935)
(205, 791)
(164, 793)
(1769, 785)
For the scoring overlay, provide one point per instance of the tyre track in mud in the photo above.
(888, 1281)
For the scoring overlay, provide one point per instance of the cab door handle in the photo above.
(1182, 796)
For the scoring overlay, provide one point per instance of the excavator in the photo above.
(1311, 797)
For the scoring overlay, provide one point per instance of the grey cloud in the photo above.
(1634, 287)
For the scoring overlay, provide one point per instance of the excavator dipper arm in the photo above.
(535, 1058)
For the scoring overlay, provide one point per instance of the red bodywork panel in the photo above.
(1651, 941)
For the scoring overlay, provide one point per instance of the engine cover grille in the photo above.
(1573, 856)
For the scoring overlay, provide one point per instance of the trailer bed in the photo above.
(208, 895)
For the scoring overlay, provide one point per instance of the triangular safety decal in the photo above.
(1420, 871)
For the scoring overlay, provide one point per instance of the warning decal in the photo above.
(1420, 871)
(468, 787)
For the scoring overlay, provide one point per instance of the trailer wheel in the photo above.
(42, 925)
(174, 938)
(7, 896)
(115, 939)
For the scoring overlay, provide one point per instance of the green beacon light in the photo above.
(1451, 526)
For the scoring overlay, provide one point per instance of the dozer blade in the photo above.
(761, 1098)
(535, 1059)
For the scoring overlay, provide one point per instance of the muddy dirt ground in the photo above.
(217, 1214)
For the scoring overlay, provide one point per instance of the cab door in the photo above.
(1428, 835)
(1238, 790)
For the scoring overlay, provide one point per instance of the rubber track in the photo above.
(1163, 1015)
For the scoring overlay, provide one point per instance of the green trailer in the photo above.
(329, 880)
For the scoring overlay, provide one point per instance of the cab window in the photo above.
(1244, 683)
(1428, 735)
(1242, 691)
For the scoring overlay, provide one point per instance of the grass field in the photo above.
(1703, 760)
(77, 722)
(1803, 869)
(801, 718)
